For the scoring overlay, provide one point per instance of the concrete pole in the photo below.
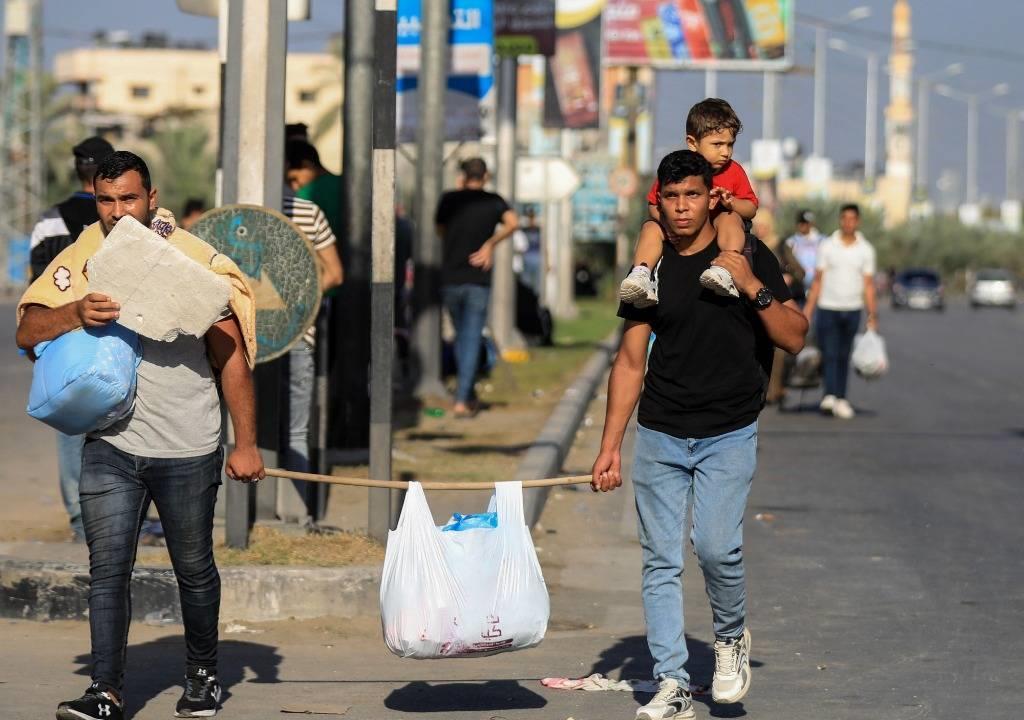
(769, 106)
(430, 166)
(624, 240)
(921, 174)
(382, 292)
(710, 83)
(820, 50)
(1012, 155)
(972, 149)
(565, 304)
(503, 280)
(35, 133)
(253, 108)
(871, 121)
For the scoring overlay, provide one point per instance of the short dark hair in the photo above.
(474, 168)
(852, 207)
(710, 116)
(117, 164)
(193, 205)
(299, 154)
(681, 164)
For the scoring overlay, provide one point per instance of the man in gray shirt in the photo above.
(166, 451)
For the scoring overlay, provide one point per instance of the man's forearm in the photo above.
(786, 326)
(240, 397)
(624, 385)
(870, 299)
(40, 323)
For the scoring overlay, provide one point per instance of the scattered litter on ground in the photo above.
(233, 628)
(765, 517)
(823, 667)
(599, 683)
(316, 709)
(433, 412)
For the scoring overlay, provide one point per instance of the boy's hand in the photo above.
(742, 275)
(725, 197)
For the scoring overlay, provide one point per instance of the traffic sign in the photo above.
(544, 179)
(280, 264)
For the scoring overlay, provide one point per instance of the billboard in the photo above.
(720, 34)
(573, 87)
(524, 27)
(469, 98)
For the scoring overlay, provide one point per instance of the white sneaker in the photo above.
(827, 403)
(732, 669)
(639, 289)
(843, 410)
(672, 701)
(719, 280)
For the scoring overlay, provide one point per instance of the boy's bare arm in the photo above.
(746, 209)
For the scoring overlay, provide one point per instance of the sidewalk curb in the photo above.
(60, 591)
(548, 452)
(42, 590)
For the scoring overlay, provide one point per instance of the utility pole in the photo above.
(1012, 155)
(565, 305)
(253, 157)
(623, 240)
(382, 292)
(429, 166)
(21, 158)
(710, 82)
(820, 88)
(769, 106)
(503, 282)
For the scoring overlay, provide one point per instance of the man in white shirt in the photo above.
(843, 286)
(804, 244)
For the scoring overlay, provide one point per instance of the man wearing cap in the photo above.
(804, 245)
(58, 227)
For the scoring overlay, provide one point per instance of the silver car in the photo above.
(993, 287)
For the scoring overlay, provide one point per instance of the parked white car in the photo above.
(994, 287)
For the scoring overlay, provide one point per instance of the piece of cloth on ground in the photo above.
(599, 683)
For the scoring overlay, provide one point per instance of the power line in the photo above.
(936, 45)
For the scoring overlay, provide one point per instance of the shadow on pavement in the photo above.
(158, 666)
(421, 697)
(630, 659)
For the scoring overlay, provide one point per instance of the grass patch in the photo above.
(269, 546)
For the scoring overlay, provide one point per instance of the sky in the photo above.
(987, 43)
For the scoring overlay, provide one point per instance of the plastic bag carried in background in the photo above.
(468, 592)
(869, 357)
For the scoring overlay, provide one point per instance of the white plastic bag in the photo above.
(467, 593)
(869, 357)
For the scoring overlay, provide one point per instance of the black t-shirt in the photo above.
(469, 218)
(711, 355)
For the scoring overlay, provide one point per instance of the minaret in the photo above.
(899, 118)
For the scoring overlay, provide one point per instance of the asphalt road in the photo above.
(886, 578)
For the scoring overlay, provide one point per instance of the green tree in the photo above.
(186, 165)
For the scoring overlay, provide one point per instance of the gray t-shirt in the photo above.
(177, 411)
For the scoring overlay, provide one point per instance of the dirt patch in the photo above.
(269, 546)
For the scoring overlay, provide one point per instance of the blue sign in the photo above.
(470, 67)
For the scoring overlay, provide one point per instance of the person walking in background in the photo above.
(844, 285)
(58, 227)
(471, 222)
(804, 245)
(308, 216)
(193, 210)
(310, 180)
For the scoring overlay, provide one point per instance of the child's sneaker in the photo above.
(639, 289)
(719, 280)
(95, 704)
(201, 696)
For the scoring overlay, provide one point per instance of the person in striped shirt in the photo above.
(301, 366)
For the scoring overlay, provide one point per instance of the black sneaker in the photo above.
(96, 704)
(202, 694)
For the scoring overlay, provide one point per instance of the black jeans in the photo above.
(116, 490)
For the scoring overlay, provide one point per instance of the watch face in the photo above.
(764, 297)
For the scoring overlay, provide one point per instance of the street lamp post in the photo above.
(923, 95)
(870, 106)
(820, 82)
(973, 100)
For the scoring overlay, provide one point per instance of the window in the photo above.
(307, 96)
(140, 91)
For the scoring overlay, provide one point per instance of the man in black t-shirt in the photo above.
(697, 434)
(471, 222)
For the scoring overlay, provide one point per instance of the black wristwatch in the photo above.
(763, 298)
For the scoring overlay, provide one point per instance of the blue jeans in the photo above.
(715, 473)
(467, 304)
(301, 380)
(836, 330)
(116, 490)
(69, 467)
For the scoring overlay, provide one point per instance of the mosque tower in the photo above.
(896, 187)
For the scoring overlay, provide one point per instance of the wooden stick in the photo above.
(399, 485)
